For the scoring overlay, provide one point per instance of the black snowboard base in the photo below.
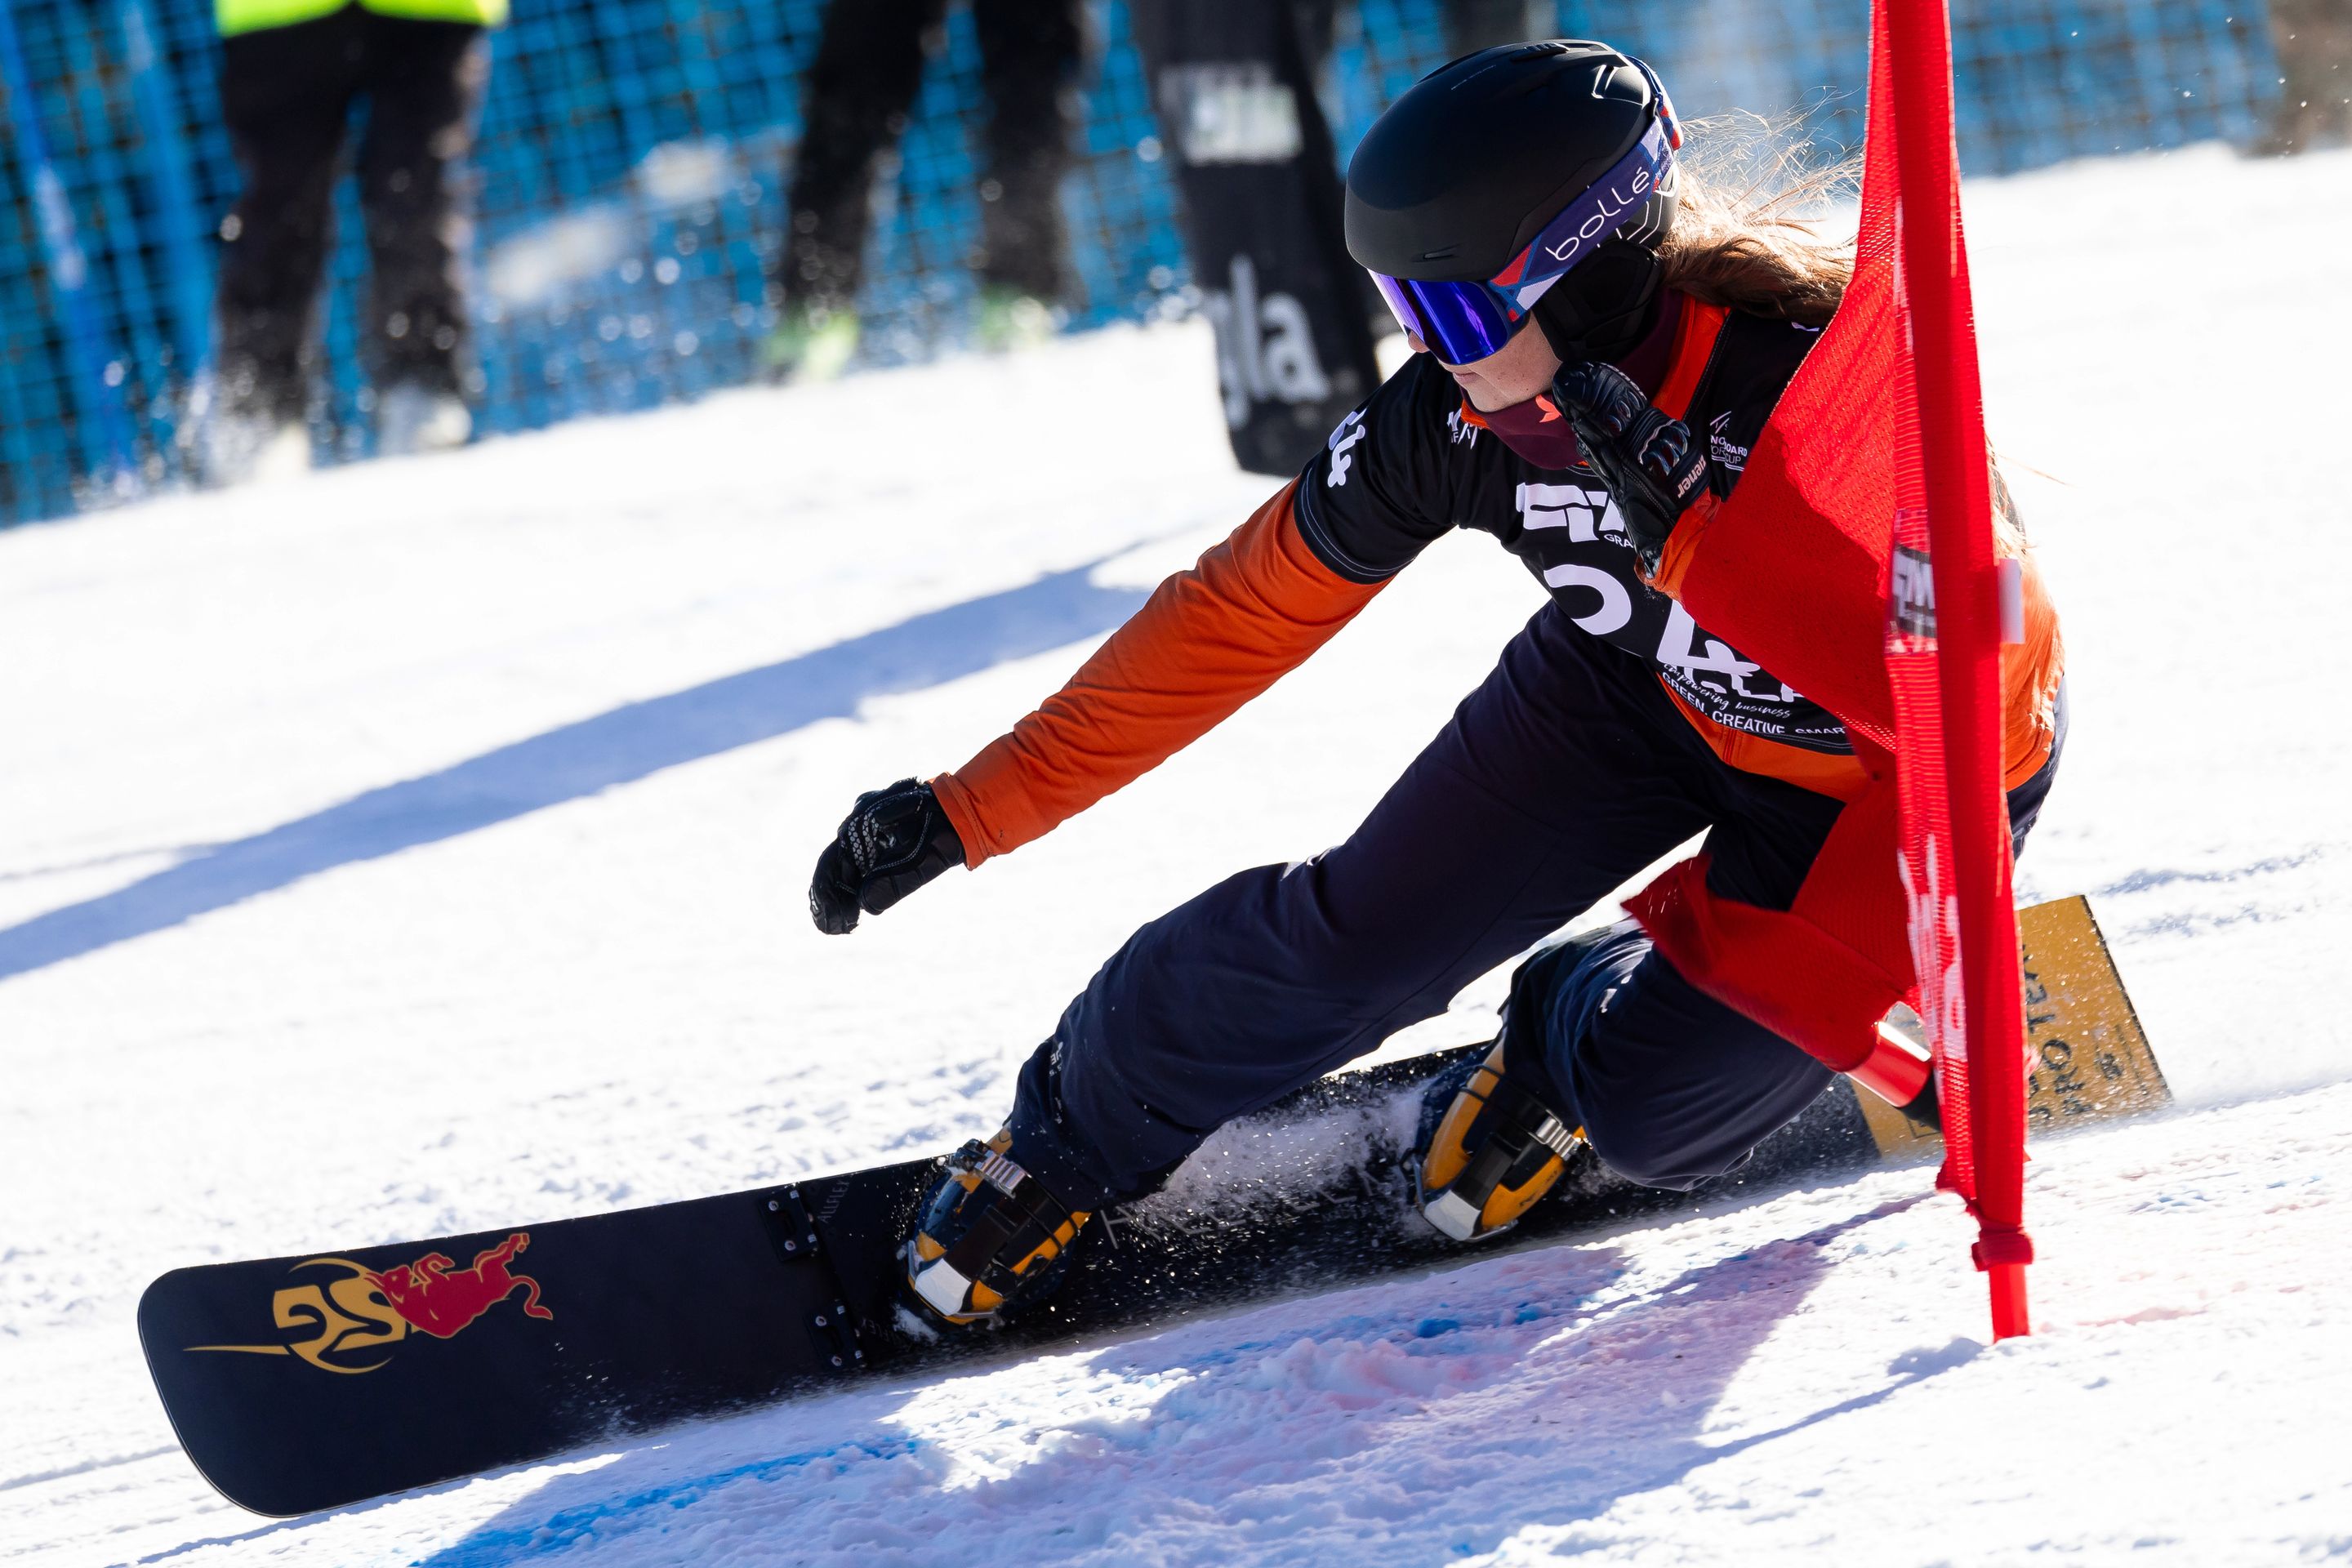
(303, 1384)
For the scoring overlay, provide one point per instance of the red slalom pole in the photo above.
(1933, 256)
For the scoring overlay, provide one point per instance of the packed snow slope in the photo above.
(421, 847)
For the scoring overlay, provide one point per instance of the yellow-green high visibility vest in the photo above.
(234, 16)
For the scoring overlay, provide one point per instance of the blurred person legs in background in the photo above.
(868, 67)
(2314, 40)
(289, 76)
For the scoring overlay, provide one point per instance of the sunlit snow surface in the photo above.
(422, 848)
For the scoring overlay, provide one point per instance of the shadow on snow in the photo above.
(1410, 1411)
(617, 747)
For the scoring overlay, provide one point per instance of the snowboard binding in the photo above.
(992, 1240)
(1487, 1152)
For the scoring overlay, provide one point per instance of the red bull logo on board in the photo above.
(348, 1322)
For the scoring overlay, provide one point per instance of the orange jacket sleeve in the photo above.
(1207, 640)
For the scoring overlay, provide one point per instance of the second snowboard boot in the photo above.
(1488, 1150)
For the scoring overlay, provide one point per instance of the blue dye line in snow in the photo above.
(492, 1546)
(618, 747)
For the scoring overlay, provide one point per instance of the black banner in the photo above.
(1234, 88)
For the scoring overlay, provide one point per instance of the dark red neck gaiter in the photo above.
(1533, 429)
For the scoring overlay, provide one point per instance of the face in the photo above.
(1511, 374)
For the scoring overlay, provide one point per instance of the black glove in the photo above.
(890, 844)
(1648, 461)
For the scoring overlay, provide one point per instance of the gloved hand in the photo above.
(1649, 461)
(891, 843)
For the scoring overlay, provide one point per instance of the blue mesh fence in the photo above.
(630, 171)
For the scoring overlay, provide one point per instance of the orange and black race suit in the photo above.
(1411, 465)
(1614, 728)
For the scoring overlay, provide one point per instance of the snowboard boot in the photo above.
(812, 343)
(1488, 1150)
(248, 447)
(1010, 320)
(991, 1241)
(412, 419)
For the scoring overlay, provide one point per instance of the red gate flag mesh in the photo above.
(1856, 561)
(1943, 654)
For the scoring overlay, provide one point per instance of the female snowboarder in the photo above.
(1532, 186)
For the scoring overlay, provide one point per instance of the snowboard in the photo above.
(307, 1382)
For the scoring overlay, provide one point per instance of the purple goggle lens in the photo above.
(1459, 321)
(1463, 322)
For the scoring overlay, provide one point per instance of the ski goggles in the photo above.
(1461, 322)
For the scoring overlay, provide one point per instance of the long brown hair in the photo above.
(1754, 202)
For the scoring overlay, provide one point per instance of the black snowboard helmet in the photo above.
(1567, 143)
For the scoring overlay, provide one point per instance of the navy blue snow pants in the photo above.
(1564, 774)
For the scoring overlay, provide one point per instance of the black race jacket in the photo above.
(1407, 466)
